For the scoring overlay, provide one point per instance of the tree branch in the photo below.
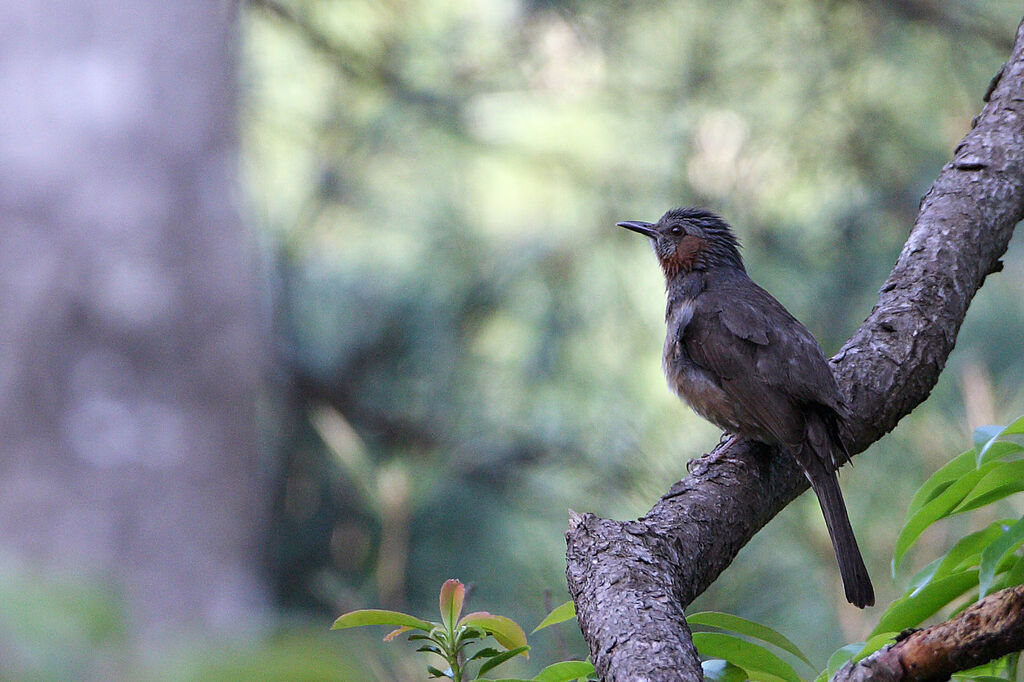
(631, 580)
(984, 632)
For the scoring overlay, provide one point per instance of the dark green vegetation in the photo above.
(472, 347)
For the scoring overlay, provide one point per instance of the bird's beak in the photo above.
(643, 228)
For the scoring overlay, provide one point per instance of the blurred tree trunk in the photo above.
(130, 345)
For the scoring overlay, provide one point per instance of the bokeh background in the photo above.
(458, 346)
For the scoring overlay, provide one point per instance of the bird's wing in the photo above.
(790, 358)
(762, 356)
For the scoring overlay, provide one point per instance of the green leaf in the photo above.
(838, 659)
(911, 610)
(453, 593)
(431, 648)
(985, 451)
(559, 614)
(937, 508)
(1015, 428)
(1003, 480)
(874, 643)
(1003, 669)
(565, 671)
(1014, 576)
(743, 626)
(467, 635)
(925, 575)
(434, 672)
(362, 617)
(941, 479)
(500, 658)
(717, 670)
(965, 554)
(485, 653)
(468, 631)
(995, 553)
(1001, 449)
(759, 662)
(504, 630)
(853, 653)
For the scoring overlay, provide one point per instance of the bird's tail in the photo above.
(856, 580)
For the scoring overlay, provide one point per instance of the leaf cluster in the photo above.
(978, 564)
(451, 638)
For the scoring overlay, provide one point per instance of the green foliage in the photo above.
(980, 562)
(730, 656)
(977, 564)
(559, 614)
(912, 609)
(743, 626)
(738, 658)
(379, 617)
(994, 671)
(719, 670)
(757, 661)
(990, 472)
(853, 652)
(451, 638)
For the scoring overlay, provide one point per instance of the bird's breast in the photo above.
(696, 386)
(703, 395)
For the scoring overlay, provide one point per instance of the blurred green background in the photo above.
(468, 347)
(441, 182)
(475, 346)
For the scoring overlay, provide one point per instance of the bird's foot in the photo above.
(700, 463)
(726, 441)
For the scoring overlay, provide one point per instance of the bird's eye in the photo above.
(676, 230)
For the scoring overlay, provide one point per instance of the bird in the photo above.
(744, 363)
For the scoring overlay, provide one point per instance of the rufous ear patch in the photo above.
(685, 255)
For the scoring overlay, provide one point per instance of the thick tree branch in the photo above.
(632, 580)
(986, 631)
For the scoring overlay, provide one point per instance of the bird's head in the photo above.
(688, 239)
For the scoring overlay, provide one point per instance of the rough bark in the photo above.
(130, 344)
(631, 580)
(984, 632)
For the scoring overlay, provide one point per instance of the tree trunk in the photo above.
(130, 345)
